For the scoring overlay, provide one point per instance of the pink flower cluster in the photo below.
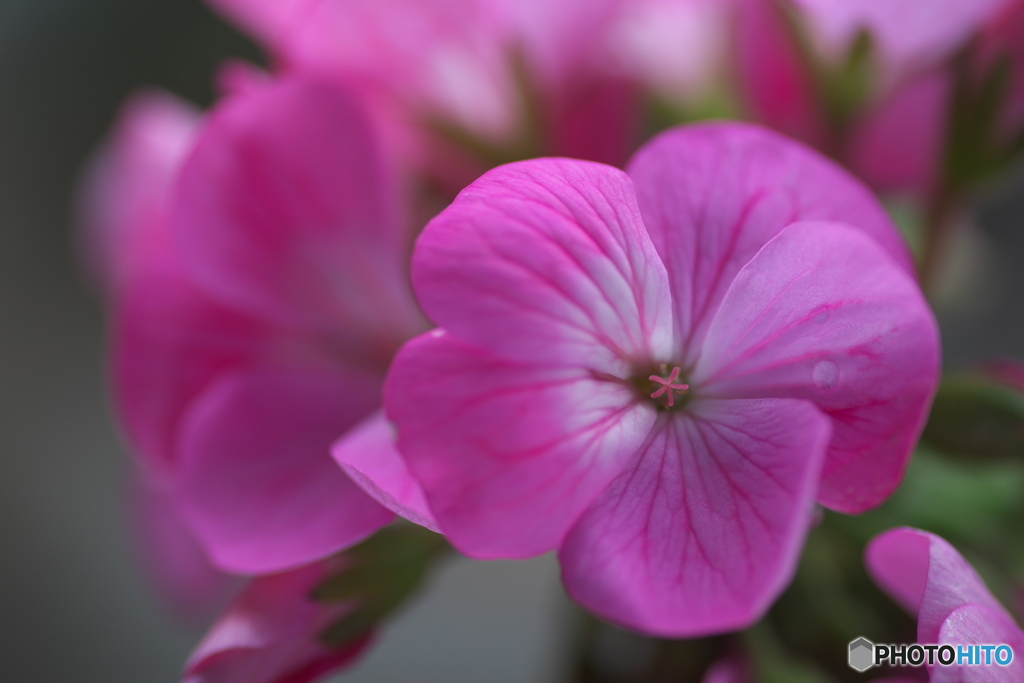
(657, 372)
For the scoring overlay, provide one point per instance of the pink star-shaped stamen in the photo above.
(667, 386)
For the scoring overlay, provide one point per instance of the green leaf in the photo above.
(379, 575)
(977, 417)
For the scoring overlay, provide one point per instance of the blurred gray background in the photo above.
(73, 606)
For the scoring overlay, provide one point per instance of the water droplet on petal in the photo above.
(826, 375)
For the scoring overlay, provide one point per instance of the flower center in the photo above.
(666, 388)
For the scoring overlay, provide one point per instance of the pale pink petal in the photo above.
(126, 194)
(703, 530)
(424, 61)
(713, 194)
(822, 313)
(270, 634)
(916, 566)
(188, 585)
(256, 481)
(507, 452)
(286, 211)
(981, 625)
(908, 34)
(558, 263)
(369, 455)
(898, 144)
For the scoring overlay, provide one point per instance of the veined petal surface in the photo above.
(703, 529)
(822, 313)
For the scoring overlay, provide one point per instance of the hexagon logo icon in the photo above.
(862, 654)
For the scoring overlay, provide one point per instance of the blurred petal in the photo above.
(909, 34)
(126, 194)
(369, 455)
(169, 341)
(774, 81)
(914, 566)
(256, 480)
(270, 634)
(822, 313)
(712, 195)
(558, 264)
(508, 453)
(898, 145)
(175, 564)
(286, 211)
(703, 530)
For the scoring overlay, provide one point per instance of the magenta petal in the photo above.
(286, 211)
(270, 634)
(822, 313)
(898, 145)
(713, 194)
(508, 453)
(703, 530)
(256, 480)
(916, 566)
(980, 625)
(559, 265)
(369, 455)
(161, 362)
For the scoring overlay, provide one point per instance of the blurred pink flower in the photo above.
(503, 78)
(930, 579)
(658, 373)
(125, 211)
(895, 139)
(271, 633)
(257, 329)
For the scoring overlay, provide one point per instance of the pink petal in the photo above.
(774, 81)
(286, 211)
(175, 564)
(703, 530)
(822, 313)
(169, 341)
(270, 634)
(368, 454)
(918, 567)
(713, 194)
(507, 452)
(980, 625)
(547, 261)
(256, 480)
(898, 145)
(126, 193)
(444, 59)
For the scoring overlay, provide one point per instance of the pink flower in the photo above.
(271, 633)
(260, 324)
(463, 84)
(929, 578)
(575, 301)
(895, 138)
(125, 211)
